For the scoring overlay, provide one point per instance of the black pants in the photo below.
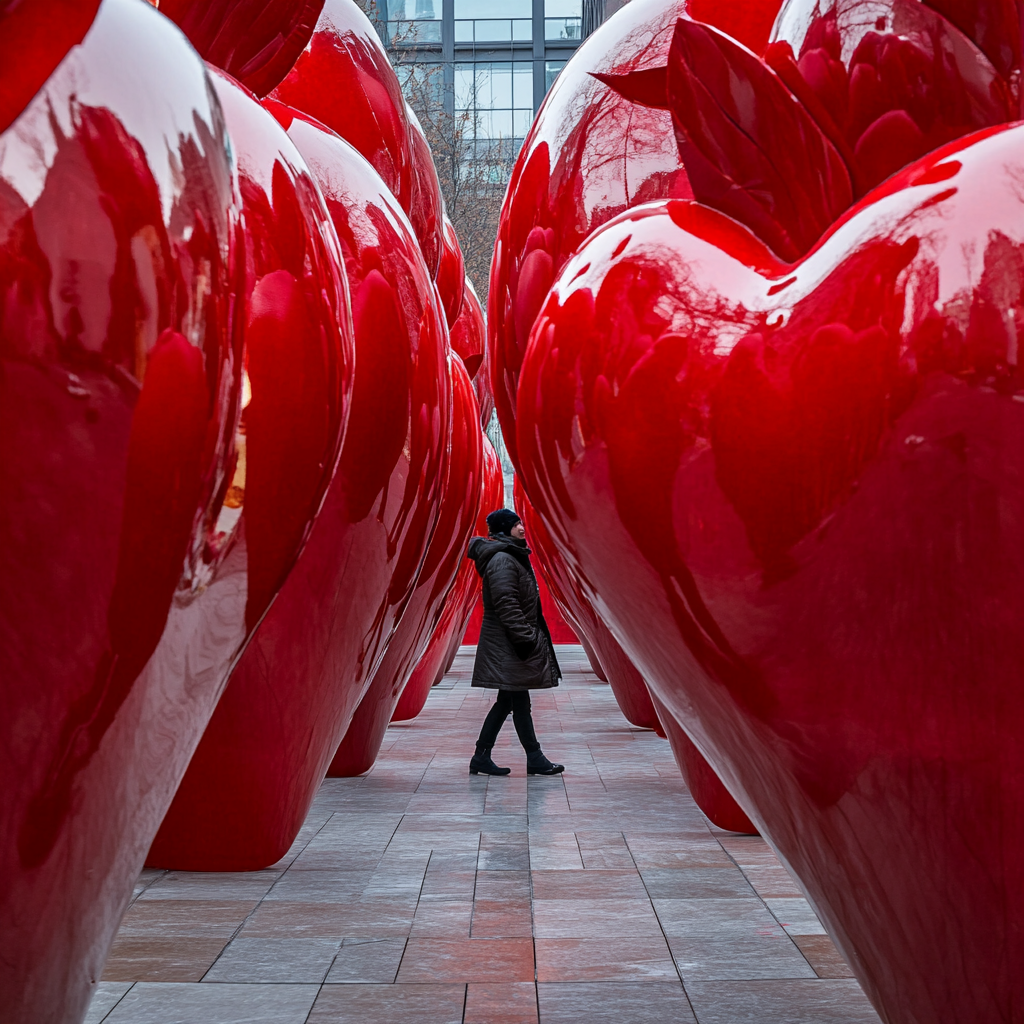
(518, 703)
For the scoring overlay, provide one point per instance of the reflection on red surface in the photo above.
(590, 154)
(451, 276)
(803, 479)
(426, 207)
(469, 338)
(344, 79)
(255, 41)
(460, 506)
(458, 605)
(288, 704)
(122, 602)
(886, 84)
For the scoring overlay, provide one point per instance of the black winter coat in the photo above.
(515, 650)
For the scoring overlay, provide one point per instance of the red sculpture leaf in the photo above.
(749, 148)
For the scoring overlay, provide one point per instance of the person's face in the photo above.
(518, 531)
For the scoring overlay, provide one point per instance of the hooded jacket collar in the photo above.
(483, 549)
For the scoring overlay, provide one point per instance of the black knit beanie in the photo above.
(501, 521)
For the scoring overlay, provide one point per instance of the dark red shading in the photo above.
(458, 605)
(749, 148)
(255, 41)
(119, 395)
(469, 337)
(344, 79)
(451, 276)
(794, 490)
(34, 39)
(293, 693)
(910, 81)
(460, 507)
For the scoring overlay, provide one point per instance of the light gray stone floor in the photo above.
(419, 894)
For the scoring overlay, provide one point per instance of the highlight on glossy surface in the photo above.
(254, 41)
(458, 605)
(469, 336)
(451, 276)
(460, 507)
(344, 79)
(803, 479)
(590, 154)
(885, 82)
(122, 583)
(294, 691)
(426, 207)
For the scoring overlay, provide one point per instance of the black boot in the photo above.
(481, 763)
(538, 764)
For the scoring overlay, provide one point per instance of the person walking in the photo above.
(515, 653)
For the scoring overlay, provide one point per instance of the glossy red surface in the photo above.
(706, 788)
(264, 754)
(34, 39)
(426, 207)
(590, 154)
(122, 602)
(886, 84)
(255, 41)
(344, 79)
(469, 334)
(451, 277)
(804, 481)
(750, 149)
(460, 508)
(458, 605)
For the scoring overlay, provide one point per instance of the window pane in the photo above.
(522, 85)
(492, 8)
(464, 31)
(522, 29)
(408, 10)
(562, 28)
(495, 124)
(405, 33)
(521, 121)
(463, 86)
(493, 31)
(563, 8)
(551, 69)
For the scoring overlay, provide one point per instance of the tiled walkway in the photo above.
(421, 895)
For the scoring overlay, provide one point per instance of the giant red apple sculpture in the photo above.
(122, 583)
(793, 489)
(289, 703)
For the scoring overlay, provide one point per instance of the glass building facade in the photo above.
(489, 63)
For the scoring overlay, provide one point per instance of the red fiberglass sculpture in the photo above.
(288, 704)
(460, 506)
(122, 578)
(458, 605)
(804, 479)
(345, 80)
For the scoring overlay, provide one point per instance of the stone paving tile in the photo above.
(389, 1004)
(214, 1004)
(497, 1003)
(161, 958)
(645, 1002)
(635, 958)
(780, 1002)
(284, 961)
(417, 893)
(465, 960)
(367, 961)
